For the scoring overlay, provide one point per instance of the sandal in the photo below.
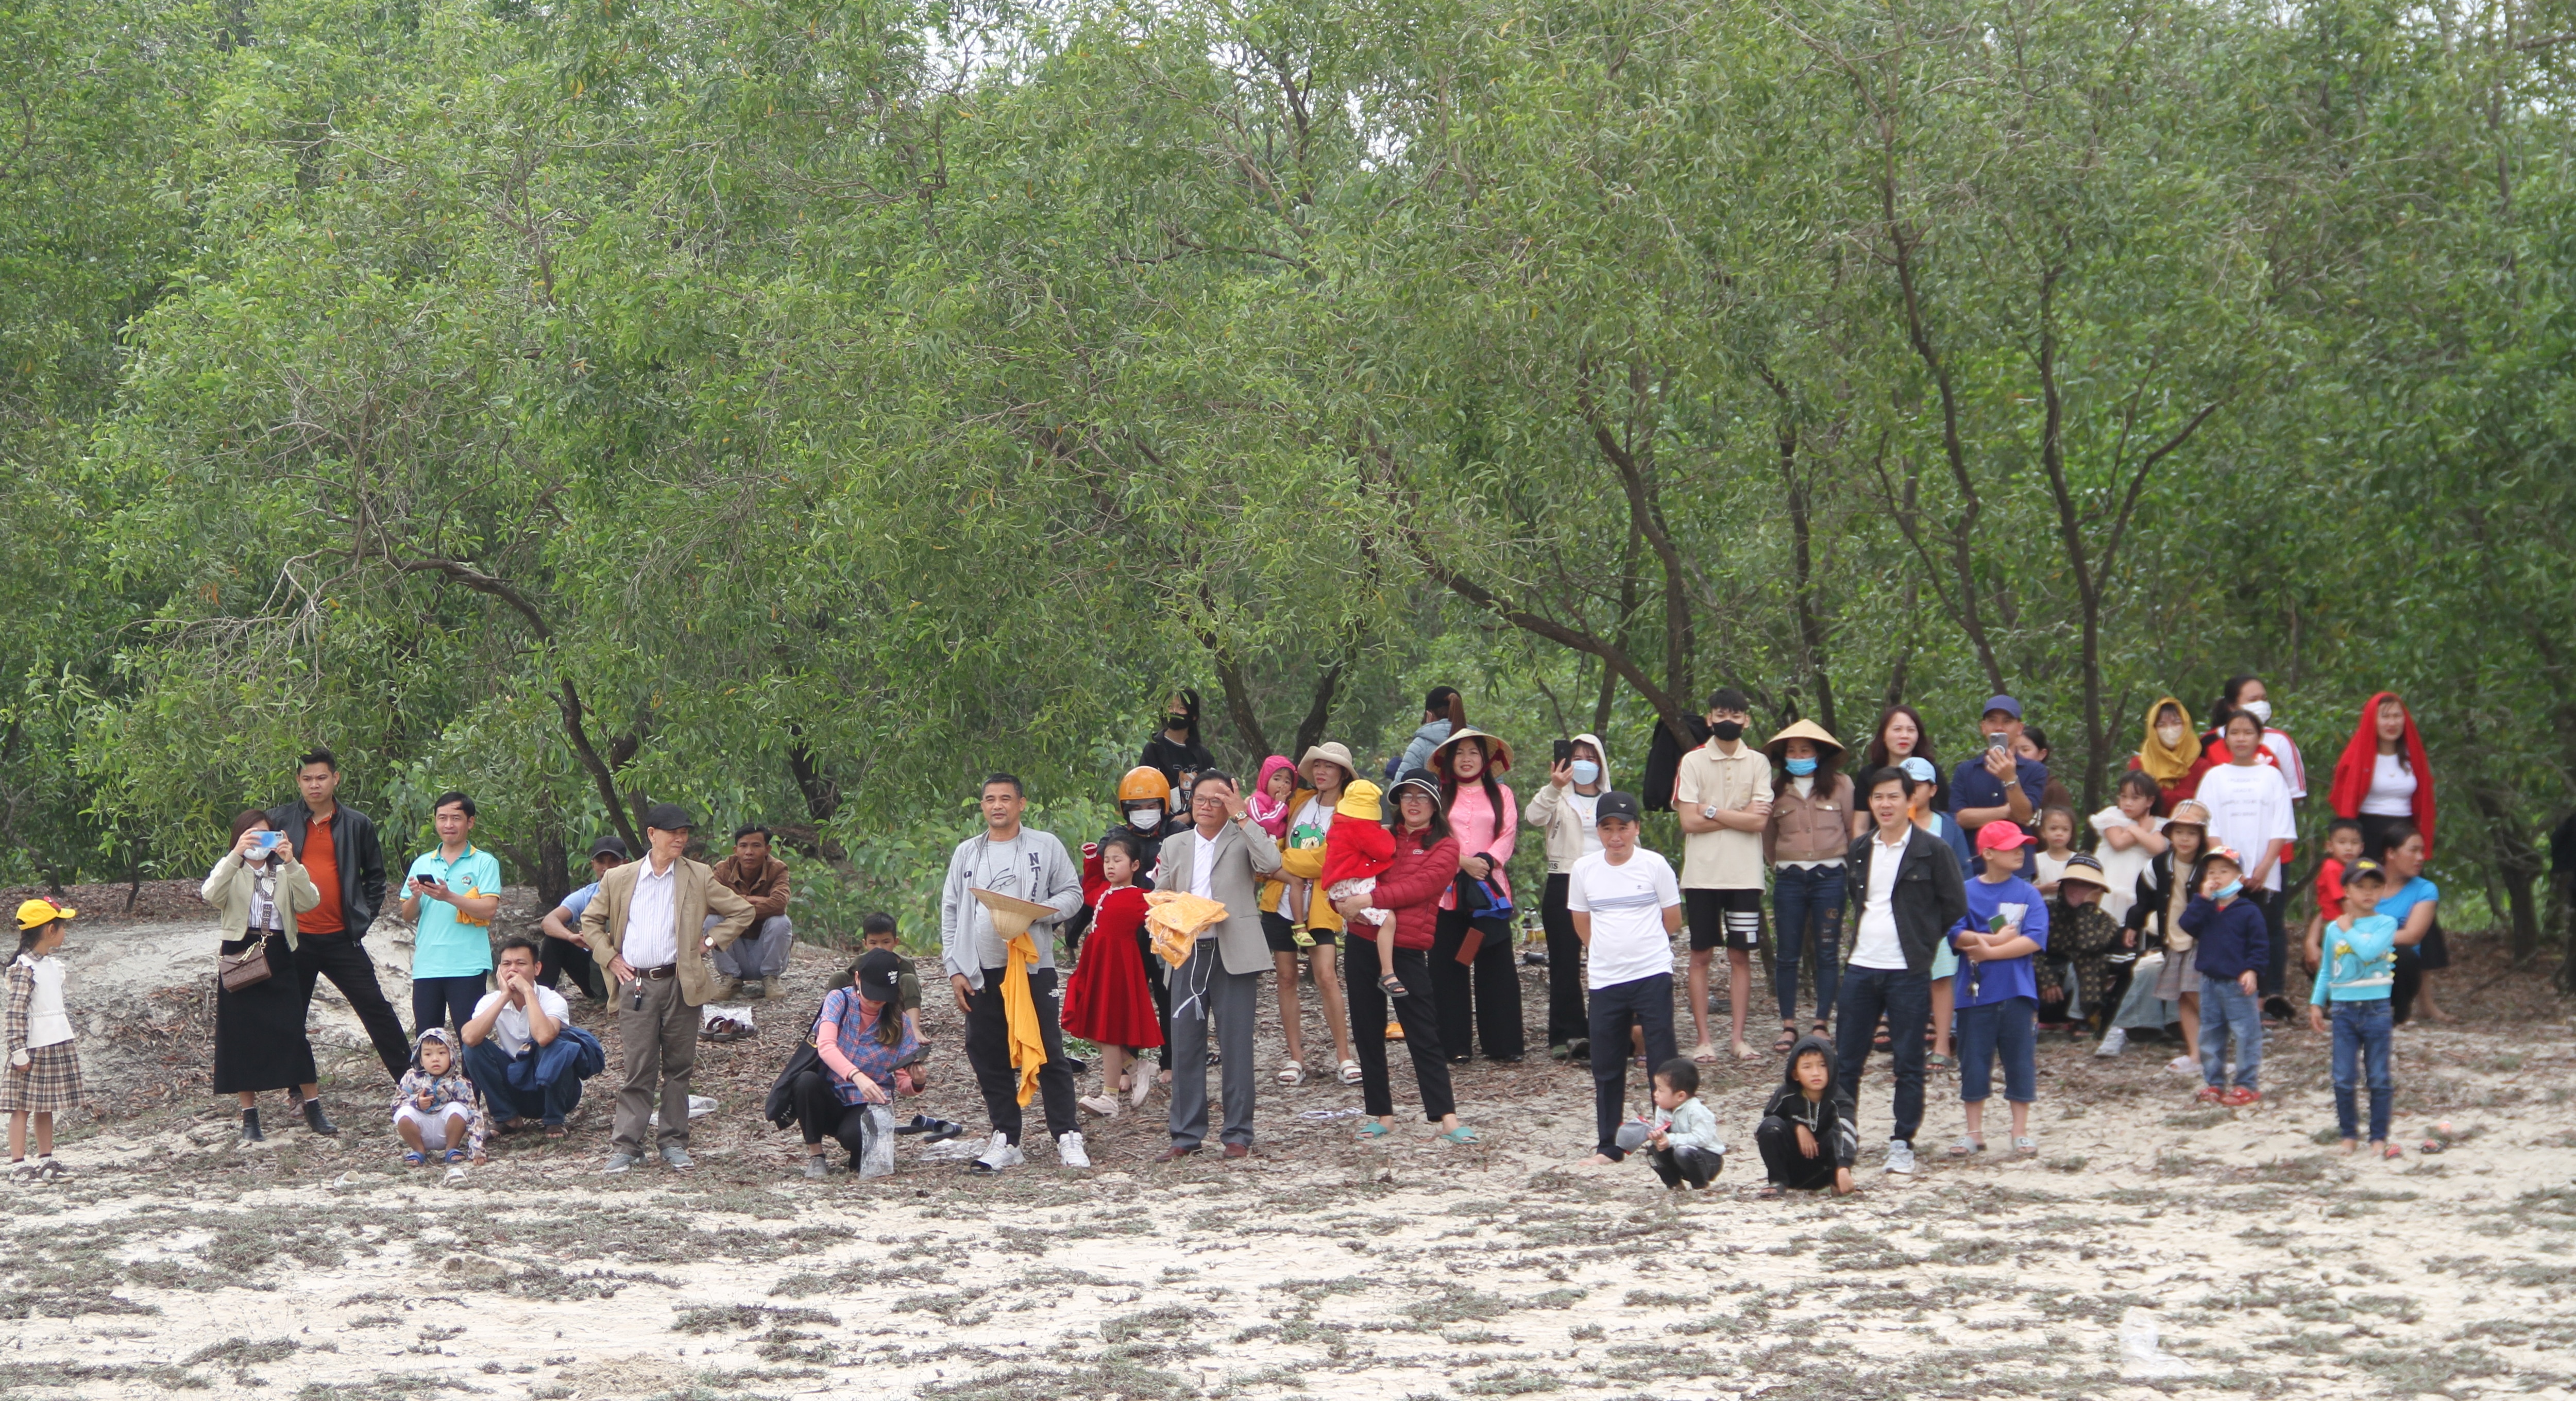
(1373, 1130)
(1934, 1060)
(1881, 1045)
(414, 1159)
(1350, 1072)
(554, 1131)
(1389, 984)
(1703, 1053)
(1821, 1029)
(1967, 1147)
(1291, 1073)
(2025, 1147)
(1460, 1134)
(1788, 1038)
(1771, 1192)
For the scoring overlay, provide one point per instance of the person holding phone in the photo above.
(1565, 811)
(449, 897)
(257, 890)
(1998, 785)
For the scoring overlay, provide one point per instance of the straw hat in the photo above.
(1806, 730)
(1331, 751)
(1498, 755)
(1011, 914)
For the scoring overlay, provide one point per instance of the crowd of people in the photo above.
(1982, 909)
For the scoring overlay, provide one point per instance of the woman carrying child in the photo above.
(1425, 864)
(865, 1042)
(1107, 1000)
(39, 1069)
(1326, 769)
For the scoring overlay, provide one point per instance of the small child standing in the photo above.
(1998, 991)
(434, 1109)
(1682, 1143)
(2232, 941)
(1806, 1137)
(1359, 849)
(2356, 982)
(2343, 848)
(2056, 845)
(43, 1070)
(1108, 1000)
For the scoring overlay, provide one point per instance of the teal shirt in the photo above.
(444, 946)
(2360, 963)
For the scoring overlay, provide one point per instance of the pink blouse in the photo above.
(1471, 820)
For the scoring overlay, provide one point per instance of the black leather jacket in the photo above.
(1930, 895)
(353, 849)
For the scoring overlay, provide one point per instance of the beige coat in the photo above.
(227, 888)
(694, 894)
(1549, 813)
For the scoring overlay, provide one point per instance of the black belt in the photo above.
(667, 970)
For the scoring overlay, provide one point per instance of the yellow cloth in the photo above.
(2166, 764)
(1020, 1015)
(1175, 919)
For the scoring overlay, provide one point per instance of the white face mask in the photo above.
(2261, 710)
(2171, 735)
(1145, 819)
(1584, 771)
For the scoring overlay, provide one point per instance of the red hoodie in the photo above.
(2352, 771)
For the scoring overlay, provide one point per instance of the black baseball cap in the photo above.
(609, 846)
(1622, 806)
(878, 975)
(2365, 869)
(668, 817)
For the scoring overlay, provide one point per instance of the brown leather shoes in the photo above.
(1238, 1150)
(1174, 1154)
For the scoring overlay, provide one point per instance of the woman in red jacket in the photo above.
(1426, 862)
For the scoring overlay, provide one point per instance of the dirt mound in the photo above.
(151, 900)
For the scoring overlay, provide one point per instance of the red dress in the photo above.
(1106, 1001)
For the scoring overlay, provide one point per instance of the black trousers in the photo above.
(1684, 1166)
(1565, 1021)
(342, 960)
(988, 1049)
(1786, 1166)
(1479, 1001)
(1413, 1013)
(820, 1111)
(559, 956)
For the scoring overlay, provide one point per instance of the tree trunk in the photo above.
(2517, 867)
(1319, 711)
(822, 795)
(553, 867)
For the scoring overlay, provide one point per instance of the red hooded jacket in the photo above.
(2352, 771)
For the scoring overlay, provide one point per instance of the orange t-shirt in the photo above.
(323, 865)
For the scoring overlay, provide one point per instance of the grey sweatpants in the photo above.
(761, 952)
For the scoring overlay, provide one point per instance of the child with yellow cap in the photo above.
(42, 1072)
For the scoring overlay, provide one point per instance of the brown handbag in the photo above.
(245, 969)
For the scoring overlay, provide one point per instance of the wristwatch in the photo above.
(1708, 812)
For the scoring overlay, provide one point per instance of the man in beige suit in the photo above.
(649, 925)
(1221, 856)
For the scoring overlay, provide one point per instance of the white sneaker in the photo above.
(2114, 1042)
(1068, 1151)
(2184, 1065)
(1900, 1157)
(999, 1154)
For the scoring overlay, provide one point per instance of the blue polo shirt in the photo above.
(445, 946)
(2002, 978)
(579, 901)
(1971, 786)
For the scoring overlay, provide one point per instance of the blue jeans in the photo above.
(2224, 1008)
(2009, 1027)
(2361, 1037)
(1905, 999)
(543, 1083)
(1800, 898)
(1646, 1003)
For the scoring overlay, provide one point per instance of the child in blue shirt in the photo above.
(1997, 994)
(2234, 941)
(2356, 968)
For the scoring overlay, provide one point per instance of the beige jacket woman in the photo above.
(1550, 814)
(228, 889)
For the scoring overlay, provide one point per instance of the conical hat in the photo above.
(1011, 914)
(1174, 919)
(1804, 729)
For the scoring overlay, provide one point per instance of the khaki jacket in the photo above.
(694, 895)
(1816, 827)
(227, 888)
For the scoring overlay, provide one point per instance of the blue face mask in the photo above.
(2229, 891)
(1800, 768)
(1584, 771)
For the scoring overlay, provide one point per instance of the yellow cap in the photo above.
(35, 913)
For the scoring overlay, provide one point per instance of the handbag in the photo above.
(245, 969)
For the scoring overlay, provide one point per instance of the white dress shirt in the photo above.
(650, 939)
(1877, 946)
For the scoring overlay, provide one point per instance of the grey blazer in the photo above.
(1244, 854)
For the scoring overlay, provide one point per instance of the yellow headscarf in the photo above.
(2164, 763)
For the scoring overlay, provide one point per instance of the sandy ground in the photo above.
(2270, 1263)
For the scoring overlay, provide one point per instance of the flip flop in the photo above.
(1788, 1038)
(1460, 1134)
(1373, 1130)
(1704, 1053)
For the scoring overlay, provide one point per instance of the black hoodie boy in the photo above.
(1826, 1117)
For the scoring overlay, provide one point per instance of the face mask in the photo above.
(1145, 819)
(2260, 710)
(1728, 730)
(2171, 735)
(1800, 768)
(2230, 890)
(1584, 771)
(1176, 722)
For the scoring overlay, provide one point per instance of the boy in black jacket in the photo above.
(1807, 1138)
(2234, 944)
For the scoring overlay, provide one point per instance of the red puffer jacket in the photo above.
(1412, 887)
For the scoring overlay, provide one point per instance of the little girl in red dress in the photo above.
(1107, 1000)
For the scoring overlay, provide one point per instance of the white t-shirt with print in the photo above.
(1627, 903)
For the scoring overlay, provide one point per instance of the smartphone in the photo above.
(1999, 741)
(1563, 753)
(268, 842)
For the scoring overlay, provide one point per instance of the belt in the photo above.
(667, 970)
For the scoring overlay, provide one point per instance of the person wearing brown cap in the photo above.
(649, 924)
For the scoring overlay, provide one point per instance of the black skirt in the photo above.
(259, 1031)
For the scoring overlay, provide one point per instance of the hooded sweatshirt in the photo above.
(1417, 751)
(1565, 816)
(1826, 1116)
